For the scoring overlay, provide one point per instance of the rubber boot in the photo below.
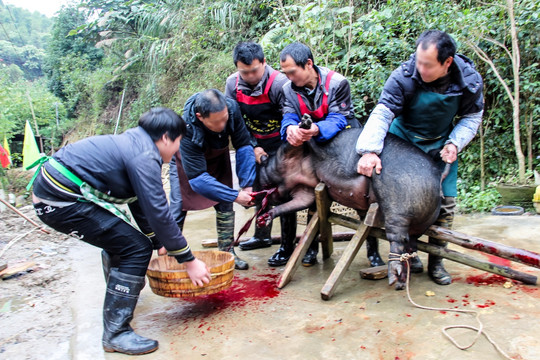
(288, 236)
(416, 265)
(372, 248)
(436, 269)
(108, 262)
(225, 235)
(261, 239)
(120, 301)
(310, 258)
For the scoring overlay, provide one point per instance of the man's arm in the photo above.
(145, 177)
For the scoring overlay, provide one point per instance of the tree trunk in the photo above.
(515, 108)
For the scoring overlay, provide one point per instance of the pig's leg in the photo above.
(302, 198)
(399, 244)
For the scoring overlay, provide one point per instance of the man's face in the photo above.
(217, 121)
(169, 148)
(252, 74)
(299, 77)
(429, 68)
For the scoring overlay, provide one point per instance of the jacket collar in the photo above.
(463, 69)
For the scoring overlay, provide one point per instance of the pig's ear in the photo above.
(264, 160)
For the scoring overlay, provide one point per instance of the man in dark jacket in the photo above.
(324, 95)
(202, 168)
(258, 90)
(419, 103)
(75, 192)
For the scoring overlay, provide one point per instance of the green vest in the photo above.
(427, 122)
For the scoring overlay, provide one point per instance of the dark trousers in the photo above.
(96, 226)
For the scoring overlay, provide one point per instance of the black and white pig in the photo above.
(407, 190)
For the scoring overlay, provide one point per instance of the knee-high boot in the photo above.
(436, 269)
(225, 234)
(108, 262)
(120, 300)
(288, 236)
(262, 237)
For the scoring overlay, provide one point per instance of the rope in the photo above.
(19, 237)
(479, 330)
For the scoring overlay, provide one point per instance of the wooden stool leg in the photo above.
(345, 261)
(325, 228)
(299, 251)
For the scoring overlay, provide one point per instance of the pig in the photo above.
(408, 189)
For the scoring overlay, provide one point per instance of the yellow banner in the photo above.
(30, 148)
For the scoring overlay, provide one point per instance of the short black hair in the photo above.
(246, 52)
(444, 43)
(299, 52)
(161, 120)
(210, 101)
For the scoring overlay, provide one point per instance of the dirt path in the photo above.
(33, 303)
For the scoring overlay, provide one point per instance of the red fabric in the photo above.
(256, 100)
(322, 110)
(4, 157)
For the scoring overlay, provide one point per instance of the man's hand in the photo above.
(198, 272)
(162, 251)
(296, 136)
(259, 151)
(366, 164)
(449, 153)
(244, 198)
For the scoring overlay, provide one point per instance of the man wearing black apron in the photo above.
(258, 90)
(202, 167)
(324, 95)
(419, 103)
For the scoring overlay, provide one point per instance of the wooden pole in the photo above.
(35, 121)
(471, 242)
(465, 259)
(24, 216)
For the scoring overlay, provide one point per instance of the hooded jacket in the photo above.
(401, 87)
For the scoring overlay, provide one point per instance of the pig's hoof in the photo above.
(399, 285)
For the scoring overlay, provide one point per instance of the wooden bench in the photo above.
(321, 222)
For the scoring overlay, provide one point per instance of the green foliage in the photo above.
(23, 39)
(473, 199)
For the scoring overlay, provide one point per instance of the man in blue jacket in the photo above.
(75, 192)
(201, 175)
(419, 103)
(325, 95)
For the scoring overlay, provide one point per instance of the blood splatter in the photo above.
(498, 261)
(486, 279)
(242, 292)
(486, 305)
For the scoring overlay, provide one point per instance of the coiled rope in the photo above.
(479, 330)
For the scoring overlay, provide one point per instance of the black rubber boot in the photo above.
(436, 269)
(310, 258)
(288, 236)
(261, 239)
(225, 235)
(416, 265)
(120, 301)
(372, 248)
(108, 262)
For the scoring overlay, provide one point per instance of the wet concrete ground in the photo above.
(365, 319)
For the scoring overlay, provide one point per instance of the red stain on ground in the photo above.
(243, 291)
(487, 304)
(486, 279)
